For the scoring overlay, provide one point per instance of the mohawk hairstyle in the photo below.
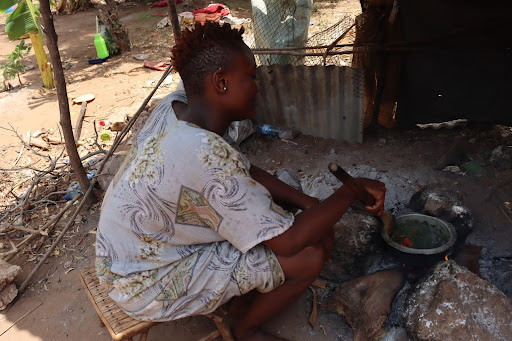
(204, 50)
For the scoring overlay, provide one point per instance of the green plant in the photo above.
(14, 66)
(26, 20)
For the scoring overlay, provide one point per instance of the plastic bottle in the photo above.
(73, 190)
(101, 47)
(268, 129)
(282, 133)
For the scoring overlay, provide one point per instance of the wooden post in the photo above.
(62, 95)
(173, 15)
(42, 60)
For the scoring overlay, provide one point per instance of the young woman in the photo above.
(187, 223)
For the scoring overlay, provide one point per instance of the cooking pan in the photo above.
(431, 239)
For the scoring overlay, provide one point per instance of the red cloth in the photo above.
(213, 9)
(164, 3)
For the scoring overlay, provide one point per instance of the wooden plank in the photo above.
(119, 324)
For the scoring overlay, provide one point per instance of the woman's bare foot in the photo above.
(260, 335)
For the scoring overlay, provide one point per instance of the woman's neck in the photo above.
(205, 116)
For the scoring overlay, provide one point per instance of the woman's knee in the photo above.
(306, 264)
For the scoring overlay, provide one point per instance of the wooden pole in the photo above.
(42, 60)
(62, 95)
(173, 15)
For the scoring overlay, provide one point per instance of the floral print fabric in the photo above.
(182, 223)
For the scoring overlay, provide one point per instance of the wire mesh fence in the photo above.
(282, 26)
(278, 34)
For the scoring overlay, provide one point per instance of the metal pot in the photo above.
(435, 238)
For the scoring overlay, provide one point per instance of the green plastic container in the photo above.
(101, 47)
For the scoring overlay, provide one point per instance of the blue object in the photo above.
(97, 61)
(73, 190)
(11, 9)
(268, 129)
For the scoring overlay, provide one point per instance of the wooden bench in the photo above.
(122, 326)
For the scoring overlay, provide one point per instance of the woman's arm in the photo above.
(280, 191)
(314, 224)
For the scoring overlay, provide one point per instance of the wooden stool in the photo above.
(122, 326)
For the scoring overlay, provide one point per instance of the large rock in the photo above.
(7, 273)
(446, 204)
(3, 83)
(366, 301)
(501, 158)
(356, 238)
(7, 294)
(451, 303)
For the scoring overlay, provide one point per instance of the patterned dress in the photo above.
(182, 224)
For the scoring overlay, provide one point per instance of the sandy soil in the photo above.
(62, 310)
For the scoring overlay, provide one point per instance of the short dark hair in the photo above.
(203, 50)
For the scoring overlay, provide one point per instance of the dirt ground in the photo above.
(57, 306)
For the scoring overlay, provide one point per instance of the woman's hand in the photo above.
(378, 190)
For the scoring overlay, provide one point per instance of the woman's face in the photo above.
(241, 86)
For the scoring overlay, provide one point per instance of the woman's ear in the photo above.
(220, 80)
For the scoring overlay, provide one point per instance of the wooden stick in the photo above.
(26, 229)
(212, 336)
(336, 41)
(318, 47)
(19, 155)
(314, 310)
(62, 95)
(173, 15)
(21, 318)
(46, 228)
(504, 213)
(56, 242)
(80, 121)
(117, 141)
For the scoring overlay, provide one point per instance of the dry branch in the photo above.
(71, 221)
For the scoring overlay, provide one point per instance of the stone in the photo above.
(444, 203)
(451, 303)
(3, 83)
(501, 158)
(7, 273)
(117, 126)
(356, 239)
(366, 301)
(7, 294)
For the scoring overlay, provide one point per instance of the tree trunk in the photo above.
(62, 95)
(108, 14)
(42, 60)
(173, 15)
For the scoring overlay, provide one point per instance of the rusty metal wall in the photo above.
(324, 101)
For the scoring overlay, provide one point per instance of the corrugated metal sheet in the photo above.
(322, 101)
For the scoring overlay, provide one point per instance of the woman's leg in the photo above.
(300, 271)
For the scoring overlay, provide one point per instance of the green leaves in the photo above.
(6, 4)
(14, 64)
(24, 19)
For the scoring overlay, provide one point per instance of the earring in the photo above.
(225, 88)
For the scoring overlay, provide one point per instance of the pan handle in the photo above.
(361, 192)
